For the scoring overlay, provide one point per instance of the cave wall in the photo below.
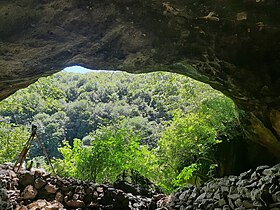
(233, 45)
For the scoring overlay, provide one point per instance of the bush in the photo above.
(112, 149)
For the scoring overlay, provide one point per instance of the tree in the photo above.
(52, 130)
(112, 149)
(164, 125)
(12, 140)
(186, 148)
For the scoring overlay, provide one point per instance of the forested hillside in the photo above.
(96, 125)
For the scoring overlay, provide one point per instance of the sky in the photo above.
(82, 70)
(77, 69)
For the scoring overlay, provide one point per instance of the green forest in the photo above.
(96, 125)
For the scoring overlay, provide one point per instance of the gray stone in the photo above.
(274, 205)
(254, 176)
(224, 189)
(276, 197)
(244, 192)
(246, 174)
(261, 168)
(252, 185)
(243, 183)
(209, 195)
(27, 178)
(39, 183)
(224, 182)
(233, 196)
(217, 196)
(76, 196)
(240, 208)
(182, 208)
(256, 194)
(29, 192)
(75, 203)
(59, 197)
(247, 204)
(276, 167)
(50, 188)
(210, 206)
(233, 190)
(231, 203)
(233, 179)
(238, 202)
(258, 204)
(221, 202)
(226, 207)
(273, 188)
(177, 206)
(52, 207)
(212, 186)
(200, 197)
(184, 195)
(266, 179)
(193, 195)
(268, 171)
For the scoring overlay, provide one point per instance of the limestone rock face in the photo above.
(232, 45)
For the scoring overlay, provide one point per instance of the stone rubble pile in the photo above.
(38, 190)
(8, 188)
(252, 190)
(255, 189)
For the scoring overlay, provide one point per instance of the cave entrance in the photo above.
(104, 122)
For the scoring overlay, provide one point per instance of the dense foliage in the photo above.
(12, 139)
(96, 125)
(112, 150)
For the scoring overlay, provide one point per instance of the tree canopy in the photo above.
(96, 125)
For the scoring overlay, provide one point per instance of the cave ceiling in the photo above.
(233, 45)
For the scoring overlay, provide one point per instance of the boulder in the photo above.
(29, 192)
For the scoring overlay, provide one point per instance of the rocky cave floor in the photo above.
(254, 189)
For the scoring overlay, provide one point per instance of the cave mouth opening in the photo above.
(75, 115)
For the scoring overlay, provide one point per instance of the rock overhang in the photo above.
(232, 45)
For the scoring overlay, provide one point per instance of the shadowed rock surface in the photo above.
(231, 45)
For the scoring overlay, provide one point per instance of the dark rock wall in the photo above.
(236, 156)
(232, 45)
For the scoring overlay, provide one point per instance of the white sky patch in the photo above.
(83, 70)
(77, 69)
